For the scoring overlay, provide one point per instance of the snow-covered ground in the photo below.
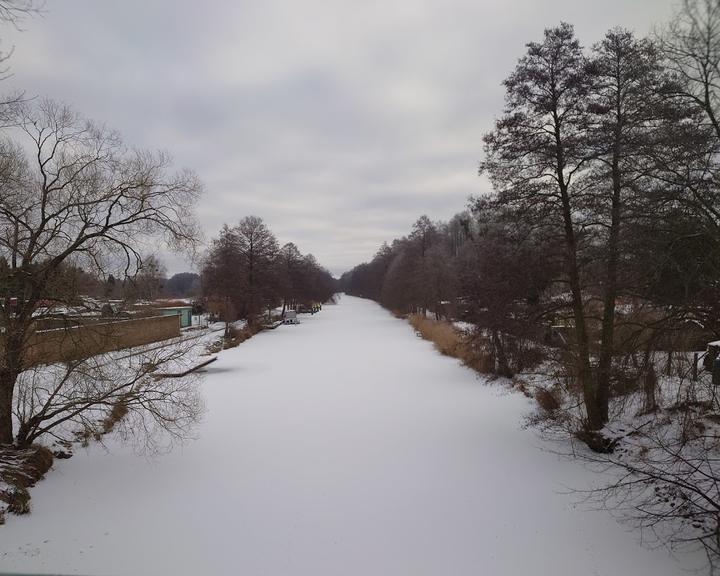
(345, 445)
(464, 326)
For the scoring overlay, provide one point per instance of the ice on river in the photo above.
(345, 445)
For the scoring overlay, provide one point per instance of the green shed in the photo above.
(185, 313)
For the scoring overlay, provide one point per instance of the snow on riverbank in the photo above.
(345, 445)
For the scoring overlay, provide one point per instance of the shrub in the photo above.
(19, 470)
(547, 399)
(238, 336)
(522, 386)
(527, 356)
(17, 499)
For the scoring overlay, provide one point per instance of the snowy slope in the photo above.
(345, 445)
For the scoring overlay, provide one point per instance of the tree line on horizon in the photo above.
(604, 216)
(148, 282)
(246, 274)
(591, 272)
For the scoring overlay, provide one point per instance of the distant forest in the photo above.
(605, 216)
(590, 276)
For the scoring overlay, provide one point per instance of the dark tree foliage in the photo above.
(503, 273)
(245, 273)
(536, 157)
(605, 195)
(182, 285)
(256, 248)
(221, 280)
(416, 274)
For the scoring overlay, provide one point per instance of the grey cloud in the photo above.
(338, 122)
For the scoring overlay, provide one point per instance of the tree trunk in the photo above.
(227, 319)
(10, 368)
(502, 366)
(669, 362)
(27, 432)
(649, 387)
(610, 295)
(7, 387)
(595, 419)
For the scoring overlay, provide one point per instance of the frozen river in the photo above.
(342, 446)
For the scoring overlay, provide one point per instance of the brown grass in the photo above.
(446, 339)
(450, 342)
(237, 337)
(118, 412)
(19, 470)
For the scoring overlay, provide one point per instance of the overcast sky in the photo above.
(338, 122)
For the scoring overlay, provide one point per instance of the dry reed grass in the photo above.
(451, 342)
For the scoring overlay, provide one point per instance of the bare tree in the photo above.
(288, 265)
(626, 103)
(221, 277)
(257, 249)
(72, 192)
(317, 284)
(662, 475)
(148, 281)
(15, 11)
(691, 47)
(535, 158)
(127, 392)
(246, 269)
(503, 272)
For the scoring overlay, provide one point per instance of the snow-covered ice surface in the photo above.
(345, 445)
